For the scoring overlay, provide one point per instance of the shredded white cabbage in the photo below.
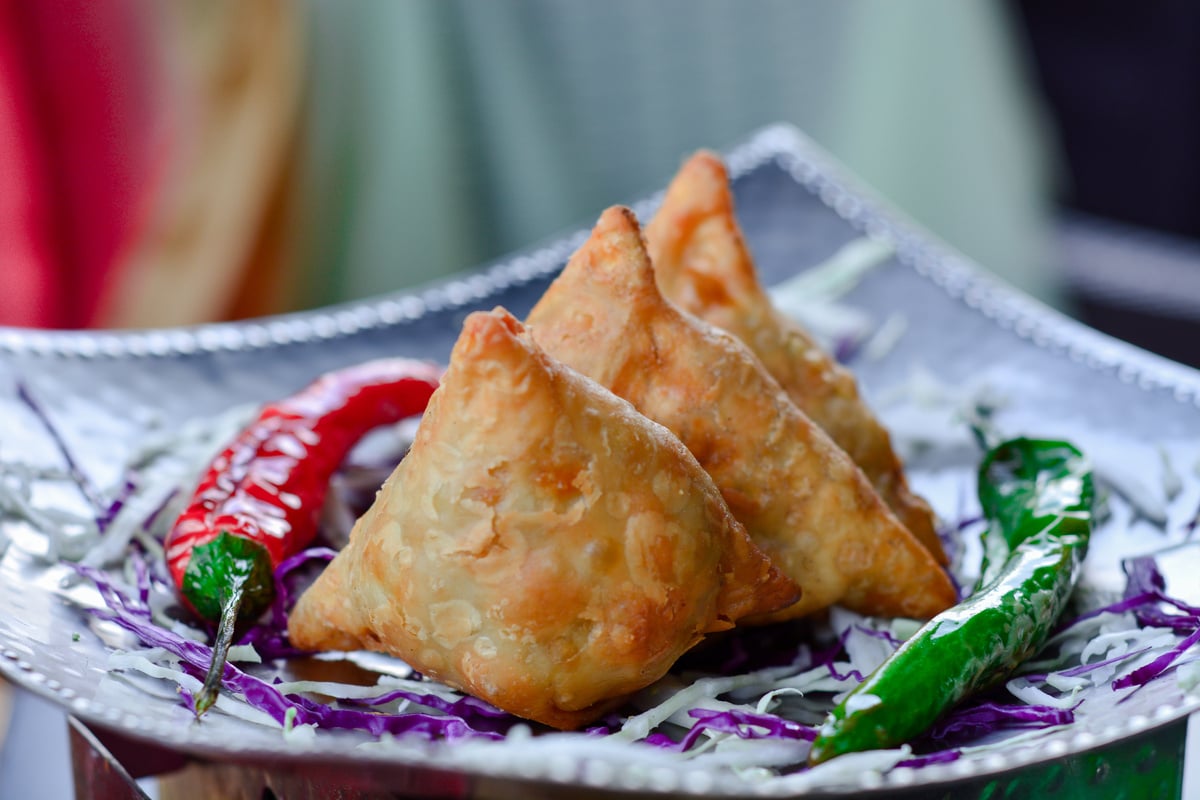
(886, 337)
(1189, 676)
(811, 297)
(682, 697)
(836, 277)
(65, 534)
(771, 699)
(1124, 479)
(1025, 691)
(244, 654)
(166, 467)
(1171, 482)
(156, 663)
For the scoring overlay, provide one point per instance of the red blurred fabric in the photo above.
(80, 142)
(31, 277)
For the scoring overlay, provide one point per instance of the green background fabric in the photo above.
(444, 133)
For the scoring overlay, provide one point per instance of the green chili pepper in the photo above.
(1038, 496)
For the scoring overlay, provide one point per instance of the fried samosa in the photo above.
(800, 497)
(702, 264)
(542, 546)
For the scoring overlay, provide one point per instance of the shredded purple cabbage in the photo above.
(1146, 598)
(1190, 526)
(940, 757)
(80, 477)
(884, 636)
(483, 715)
(1083, 669)
(105, 510)
(825, 658)
(133, 615)
(157, 511)
(609, 723)
(269, 635)
(746, 723)
(323, 716)
(950, 536)
(283, 589)
(1146, 583)
(1141, 675)
(270, 642)
(966, 724)
(105, 518)
(1142, 576)
(142, 577)
(743, 724)
(117, 601)
(846, 347)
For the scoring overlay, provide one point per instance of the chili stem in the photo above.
(229, 616)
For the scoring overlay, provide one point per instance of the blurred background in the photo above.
(170, 162)
(167, 163)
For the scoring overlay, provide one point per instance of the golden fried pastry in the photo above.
(542, 546)
(702, 263)
(800, 497)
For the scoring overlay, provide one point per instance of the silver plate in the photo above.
(798, 208)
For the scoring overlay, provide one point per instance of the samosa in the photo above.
(543, 546)
(702, 264)
(800, 497)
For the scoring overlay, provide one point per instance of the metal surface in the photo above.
(96, 773)
(797, 209)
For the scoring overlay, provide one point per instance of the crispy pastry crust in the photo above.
(800, 497)
(702, 263)
(543, 546)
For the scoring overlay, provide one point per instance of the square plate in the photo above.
(1133, 410)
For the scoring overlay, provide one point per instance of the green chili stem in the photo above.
(229, 616)
(228, 579)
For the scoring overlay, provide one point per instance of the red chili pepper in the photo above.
(261, 499)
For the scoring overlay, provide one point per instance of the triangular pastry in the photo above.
(702, 264)
(542, 546)
(800, 497)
